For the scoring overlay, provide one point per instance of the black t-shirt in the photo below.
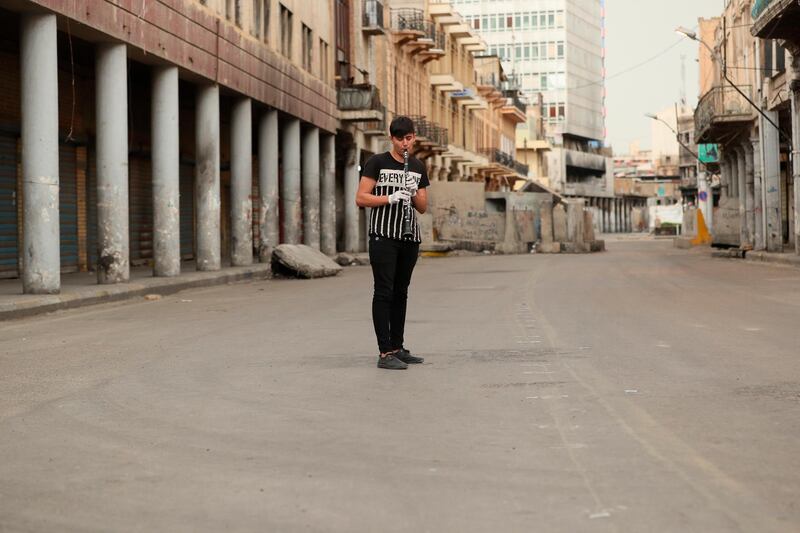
(387, 220)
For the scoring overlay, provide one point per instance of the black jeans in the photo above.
(392, 264)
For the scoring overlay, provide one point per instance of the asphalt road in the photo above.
(641, 389)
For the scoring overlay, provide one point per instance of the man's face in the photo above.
(403, 143)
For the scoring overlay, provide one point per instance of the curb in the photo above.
(115, 293)
(778, 259)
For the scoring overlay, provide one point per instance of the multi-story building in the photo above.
(127, 134)
(555, 48)
(776, 25)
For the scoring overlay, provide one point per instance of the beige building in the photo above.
(745, 108)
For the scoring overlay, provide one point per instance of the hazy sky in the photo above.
(637, 30)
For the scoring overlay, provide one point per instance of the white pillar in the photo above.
(795, 97)
(166, 172)
(749, 193)
(327, 213)
(112, 163)
(269, 228)
(310, 182)
(290, 184)
(41, 257)
(207, 197)
(772, 182)
(241, 183)
(758, 211)
(741, 190)
(351, 179)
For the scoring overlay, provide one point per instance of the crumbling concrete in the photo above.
(303, 261)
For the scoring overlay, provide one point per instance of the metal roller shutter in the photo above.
(8, 207)
(187, 210)
(68, 207)
(140, 204)
(91, 209)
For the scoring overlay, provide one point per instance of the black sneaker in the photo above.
(406, 357)
(390, 362)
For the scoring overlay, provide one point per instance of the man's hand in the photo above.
(400, 195)
(411, 185)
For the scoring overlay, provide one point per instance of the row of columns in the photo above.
(314, 190)
(611, 215)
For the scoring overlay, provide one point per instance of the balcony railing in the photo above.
(430, 131)
(497, 156)
(758, 7)
(491, 80)
(358, 98)
(432, 34)
(720, 106)
(408, 19)
(517, 102)
(373, 15)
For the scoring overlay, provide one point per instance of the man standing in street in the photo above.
(386, 185)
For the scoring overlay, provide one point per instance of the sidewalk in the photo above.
(81, 289)
(753, 256)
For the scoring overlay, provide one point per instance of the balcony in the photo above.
(431, 137)
(498, 158)
(434, 43)
(776, 19)
(359, 103)
(721, 111)
(408, 24)
(372, 19)
(515, 109)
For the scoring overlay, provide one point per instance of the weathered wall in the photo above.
(726, 222)
(198, 40)
(462, 211)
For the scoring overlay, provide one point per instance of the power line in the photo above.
(633, 67)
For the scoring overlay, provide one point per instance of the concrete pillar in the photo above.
(207, 198)
(311, 187)
(770, 170)
(165, 151)
(327, 192)
(758, 207)
(241, 183)
(741, 189)
(794, 84)
(111, 74)
(41, 260)
(606, 223)
(749, 193)
(290, 184)
(268, 224)
(351, 178)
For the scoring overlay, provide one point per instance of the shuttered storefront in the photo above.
(187, 210)
(68, 207)
(140, 205)
(8, 206)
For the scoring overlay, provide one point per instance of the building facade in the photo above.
(748, 109)
(555, 50)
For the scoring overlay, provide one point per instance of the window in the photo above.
(476, 23)
(233, 11)
(551, 20)
(494, 23)
(543, 82)
(324, 74)
(286, 31)
(265, 27)
(255, 20)
(560, 50)
(535, 50)
(509, 22)
(308, 47)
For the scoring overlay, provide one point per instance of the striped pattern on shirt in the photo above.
(387, 220)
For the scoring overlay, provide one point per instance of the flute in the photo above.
(408, 229)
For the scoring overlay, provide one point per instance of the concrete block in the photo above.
(549, 248)
(547, 224)
(559, 223)
(303, 261)
(588, 227)
(575, 219)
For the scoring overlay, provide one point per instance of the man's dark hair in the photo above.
(400, 127)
